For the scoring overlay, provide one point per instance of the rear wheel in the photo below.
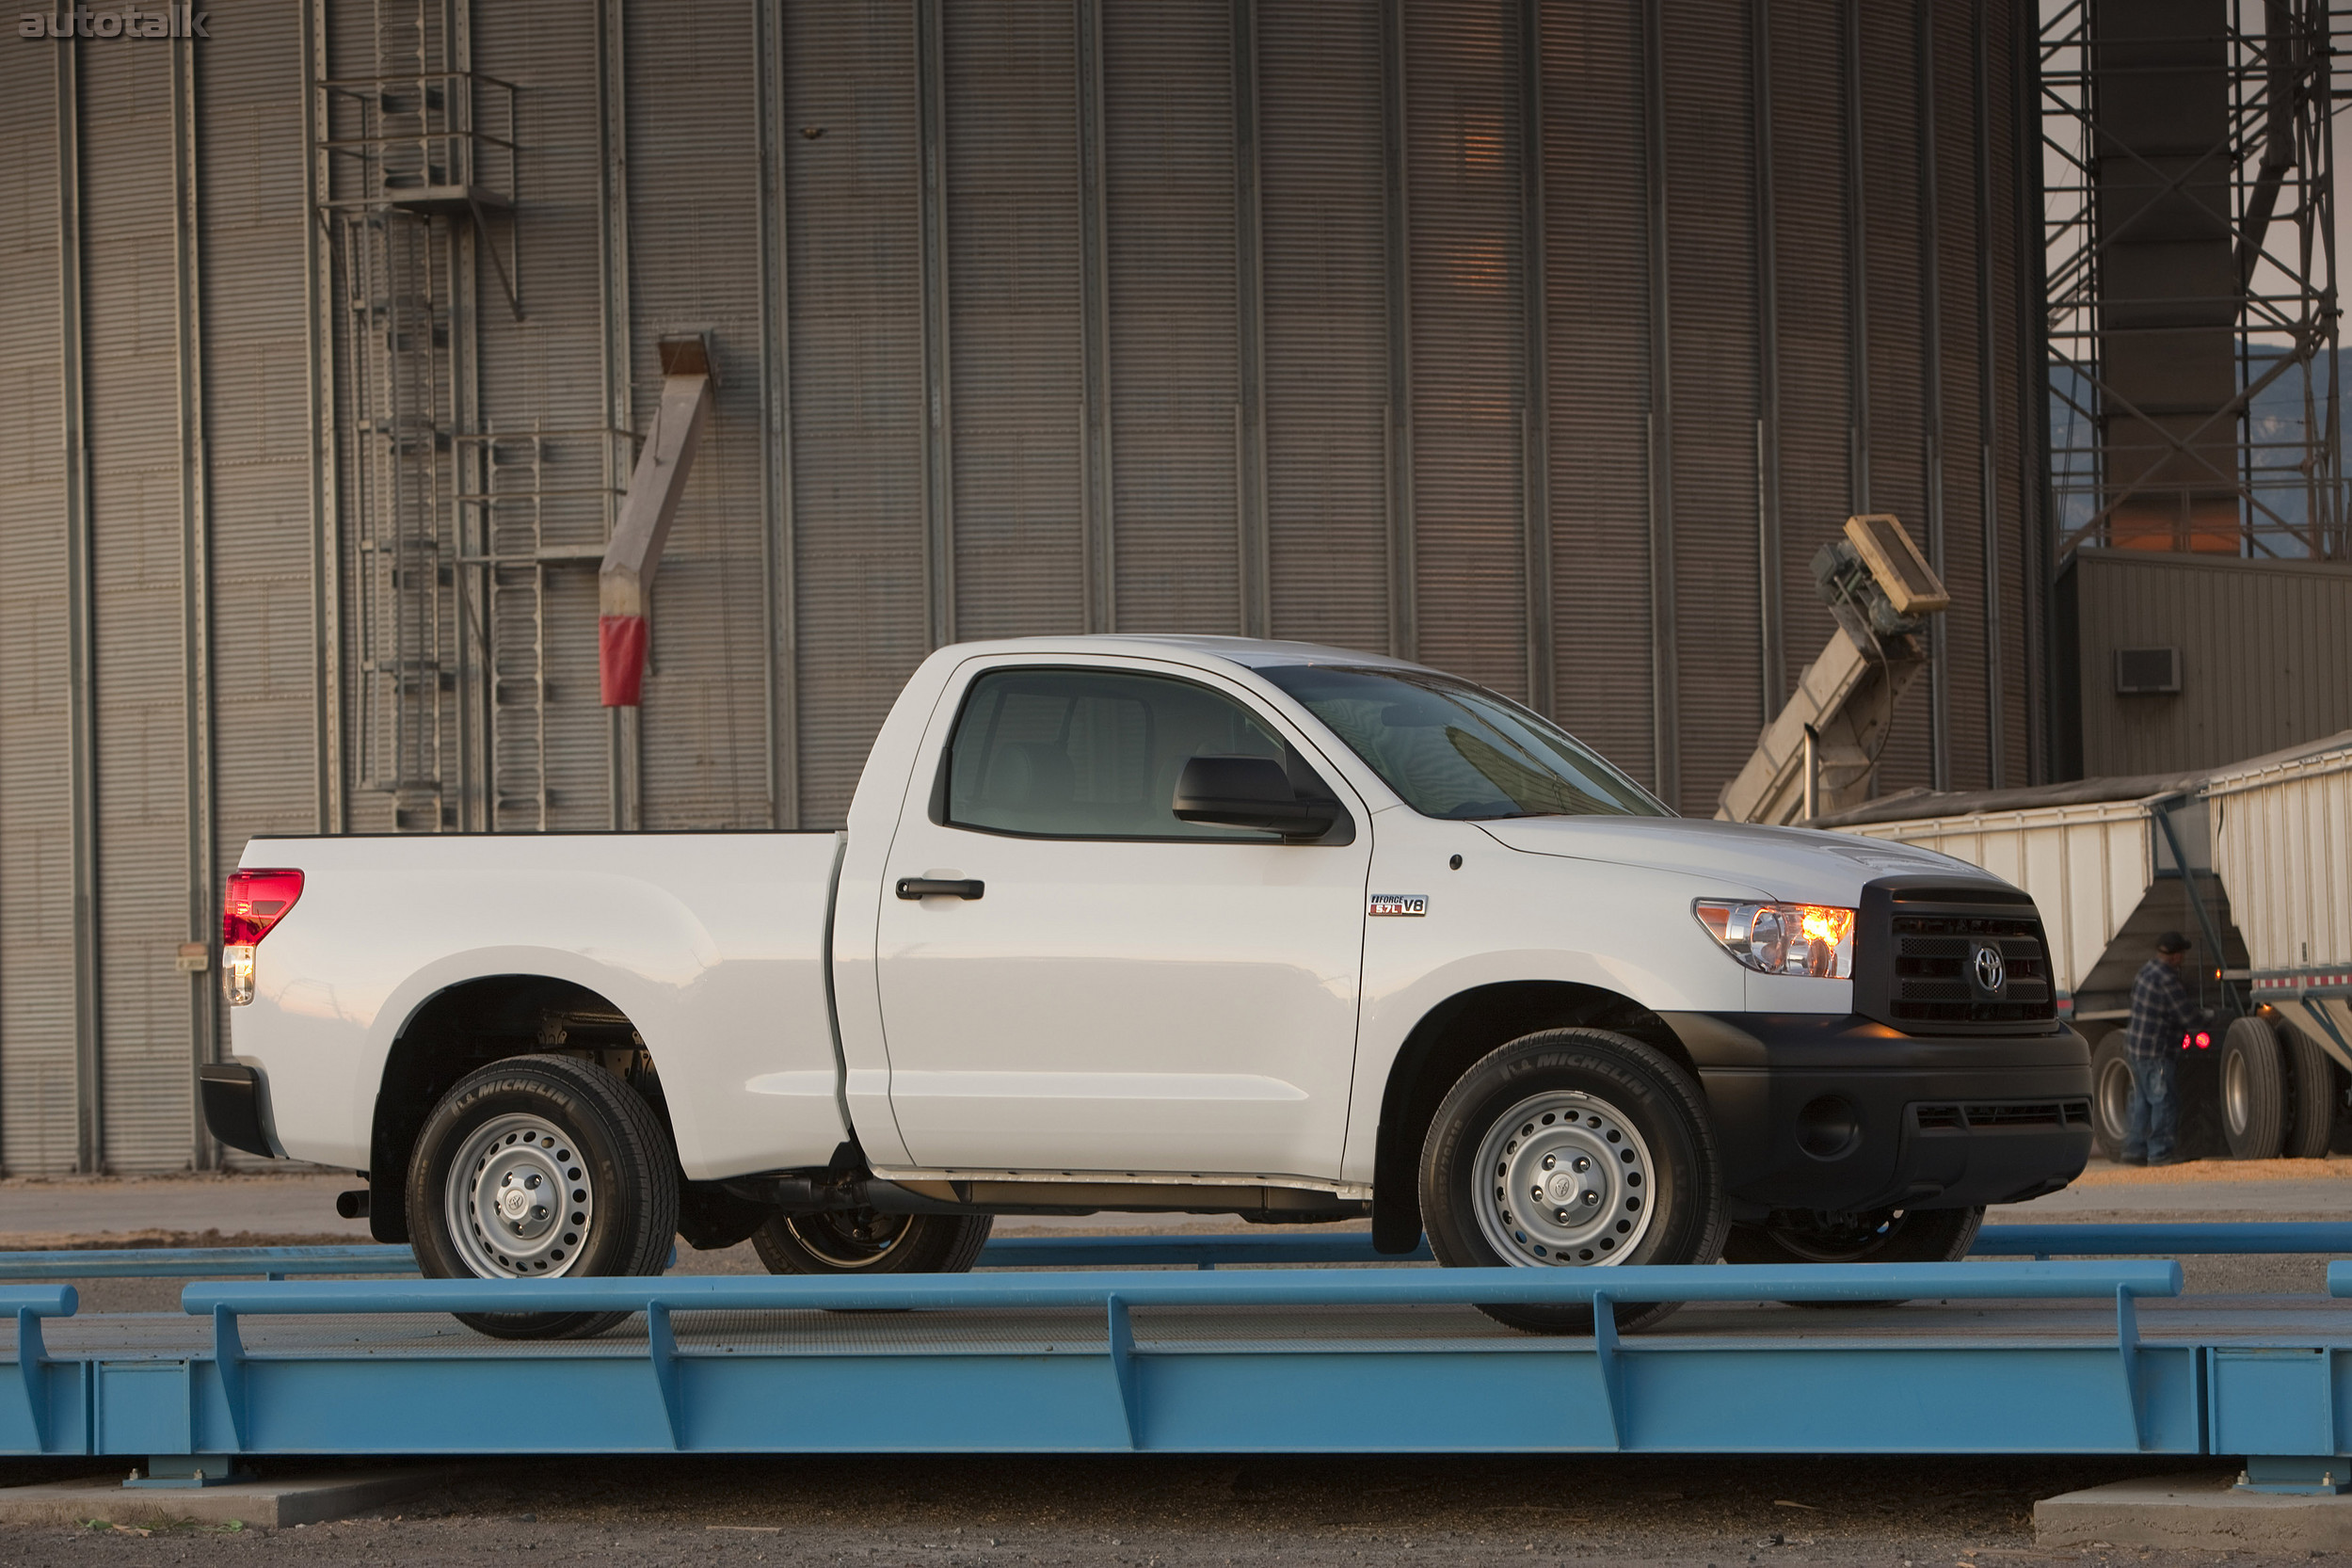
(2254, 1091)
(1572, 1149)
(862, 1241)
(542, 1167)
(2110, 1095)
(2313, 1121)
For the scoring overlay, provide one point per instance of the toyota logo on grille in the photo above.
(1993, 971)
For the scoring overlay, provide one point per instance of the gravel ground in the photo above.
(1724, 1512)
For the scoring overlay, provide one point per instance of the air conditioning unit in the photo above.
(2147, 671)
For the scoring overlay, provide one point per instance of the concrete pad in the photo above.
(262, 1504)
(2198, 1510)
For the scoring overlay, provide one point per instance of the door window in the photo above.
(1096, 754)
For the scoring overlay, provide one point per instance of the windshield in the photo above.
(1451, 749)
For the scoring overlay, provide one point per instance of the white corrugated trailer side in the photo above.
(2282, 842)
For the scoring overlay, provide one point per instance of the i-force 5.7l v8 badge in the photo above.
(1397, 903)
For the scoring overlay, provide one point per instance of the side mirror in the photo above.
(1249, 792)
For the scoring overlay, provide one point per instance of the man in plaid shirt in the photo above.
(2160, 1015)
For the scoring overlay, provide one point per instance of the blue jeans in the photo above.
(2155, 1114)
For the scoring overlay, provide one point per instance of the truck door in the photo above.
(1107, 989)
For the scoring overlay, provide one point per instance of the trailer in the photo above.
(2249, 862)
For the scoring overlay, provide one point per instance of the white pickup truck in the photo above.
(1158, 923)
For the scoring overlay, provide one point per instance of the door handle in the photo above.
(936, 886)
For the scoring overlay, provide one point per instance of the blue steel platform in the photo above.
(1986, 1356)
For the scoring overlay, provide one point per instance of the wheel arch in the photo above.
(1444, 1044)
(469, 1024)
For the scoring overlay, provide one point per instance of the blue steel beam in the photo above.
(1831, 1282)
(1180, 1251)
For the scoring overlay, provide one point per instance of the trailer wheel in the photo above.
(1573, 1148)
(2254, 1090)
(541, 1167)
(861, 1241)
(2313, 1120)
(2110, 1095)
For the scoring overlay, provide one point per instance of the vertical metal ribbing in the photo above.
(1771, 619)
(1857, 270)
(1403, 622)
(195, 581)
(2033, 404)
(776, 540)
(1932, 382)
(1665, 662)
(1094, 269)
(80, 629)
(475, 678)
(1987, 511)
(931, 111)
(324, 312)
(1250, 310)
(612, 83)
(1536, 398)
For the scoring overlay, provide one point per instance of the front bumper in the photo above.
(1847, 1116)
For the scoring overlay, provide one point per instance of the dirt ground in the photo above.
(1315, 1511)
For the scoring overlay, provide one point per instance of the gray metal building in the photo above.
(1541, 339)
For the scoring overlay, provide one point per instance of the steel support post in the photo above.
(474, 656)
(1923, 90)
(1857, 269)
(1665, 660)
(931, 110)
(1535, 484)
(80, 625)
(1250, 309)
(196, 659)
(778, 551)
(1988, 507)
(612, 82)
(1093, 326)
(1771, 616)
(2036, 504)
(326, 542)
(1403, 600)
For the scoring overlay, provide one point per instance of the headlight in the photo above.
(1784, 939)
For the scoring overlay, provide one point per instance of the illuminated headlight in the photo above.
(236, 974)
(1813, 939)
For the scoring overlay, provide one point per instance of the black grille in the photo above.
(1923, 949)
(2005, 1113)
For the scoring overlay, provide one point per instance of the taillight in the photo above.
(253, 902)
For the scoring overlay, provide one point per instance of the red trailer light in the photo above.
(2199, 1041)
(252, 902)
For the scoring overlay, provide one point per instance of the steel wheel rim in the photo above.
(1565, 1179)
(2115, 1101)
(840, 1240)
(2238, 1093)
(497, 1199)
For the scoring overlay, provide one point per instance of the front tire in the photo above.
(862, 1241)
(1573, 1148)
(510, 1138)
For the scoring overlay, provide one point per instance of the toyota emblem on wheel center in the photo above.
(1992, 970)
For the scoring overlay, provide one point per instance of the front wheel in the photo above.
(862, 1241)
(542, 1167)
(1572, 1149)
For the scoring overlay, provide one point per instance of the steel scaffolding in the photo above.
(2190, 299)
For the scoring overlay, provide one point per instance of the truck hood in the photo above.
(1795, 864)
